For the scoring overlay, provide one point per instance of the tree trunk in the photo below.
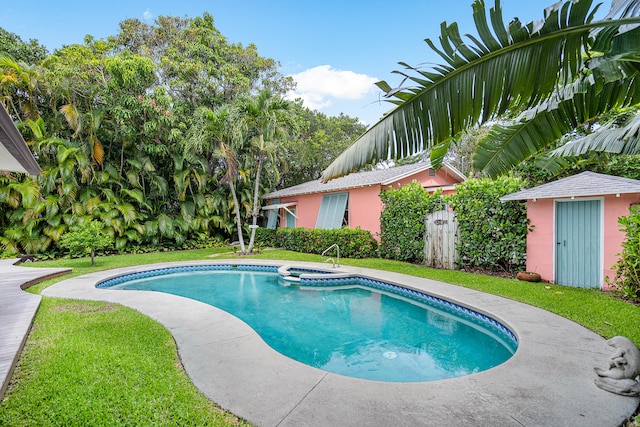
(256, 192)
(93, 256)
(238, 219)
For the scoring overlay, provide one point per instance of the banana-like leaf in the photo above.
(518, 67)
(623, 140)
(505, 147)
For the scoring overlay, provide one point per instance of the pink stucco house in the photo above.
(576, 237)
(353, 200)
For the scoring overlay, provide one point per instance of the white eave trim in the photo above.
(284, 206)
(279, 205)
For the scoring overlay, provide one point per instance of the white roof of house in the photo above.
(362, 179)
(15, 155)
(580, 185)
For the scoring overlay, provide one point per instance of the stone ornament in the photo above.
(623, 374)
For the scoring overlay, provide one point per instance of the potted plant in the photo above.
(528, 276)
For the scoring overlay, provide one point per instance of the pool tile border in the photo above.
(449, 307)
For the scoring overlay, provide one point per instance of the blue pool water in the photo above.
(346, 327)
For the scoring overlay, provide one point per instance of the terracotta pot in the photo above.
(528, 276)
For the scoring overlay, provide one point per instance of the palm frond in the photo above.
(623, 140)
(507, 68)
(506, 146)
(72, 116)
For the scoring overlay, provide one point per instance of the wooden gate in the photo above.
(440, 239)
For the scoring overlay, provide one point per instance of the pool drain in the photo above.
(389, 354)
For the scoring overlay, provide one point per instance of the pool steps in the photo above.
(291, 273)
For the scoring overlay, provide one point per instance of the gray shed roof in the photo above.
(580, 185)
(362, 179)
(15, 155)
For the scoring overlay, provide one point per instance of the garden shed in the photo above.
(576, 238)
(353, 200)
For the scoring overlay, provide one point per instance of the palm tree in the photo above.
(26, 79)
(267, 119)
(555, 71)
(215, 132)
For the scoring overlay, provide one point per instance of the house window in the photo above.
(291, 217)
(333, 210)
(273, 216)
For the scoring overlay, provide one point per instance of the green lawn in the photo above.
(92, 363)
(97, 364)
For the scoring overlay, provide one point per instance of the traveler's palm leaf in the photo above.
(506, 69)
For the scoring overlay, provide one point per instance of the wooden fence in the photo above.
(440, 238)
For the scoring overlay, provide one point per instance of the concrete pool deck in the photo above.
(549, 381)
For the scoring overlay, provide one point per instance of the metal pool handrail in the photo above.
(335, 245)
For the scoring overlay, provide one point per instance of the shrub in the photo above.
(402, 221)
(627, 268)
(353, 243)
(492, 233)
(87, 237)
(266, 237)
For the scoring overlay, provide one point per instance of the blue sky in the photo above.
(335, 49)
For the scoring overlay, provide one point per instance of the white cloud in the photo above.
(147, 15)
(318, 87)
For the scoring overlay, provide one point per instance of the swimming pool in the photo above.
(350, 326)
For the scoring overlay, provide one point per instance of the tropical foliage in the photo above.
(552, 76)
(352, 243)
(402, 222)
(627, 279)
(87, 237)
(166, 134)
(492, 233)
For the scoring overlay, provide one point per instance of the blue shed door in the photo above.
(578, 243)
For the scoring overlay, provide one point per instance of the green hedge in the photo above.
(492, 233)
(353, 243)
(402, 221)
(266, 237)
(627, 279)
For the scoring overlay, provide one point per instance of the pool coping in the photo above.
(549, 380)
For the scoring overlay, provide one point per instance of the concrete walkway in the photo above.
(17, 310)
(548, 382)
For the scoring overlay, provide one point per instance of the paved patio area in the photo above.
(548, 382)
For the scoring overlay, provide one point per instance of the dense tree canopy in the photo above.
(12, 44)
(123, 131)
